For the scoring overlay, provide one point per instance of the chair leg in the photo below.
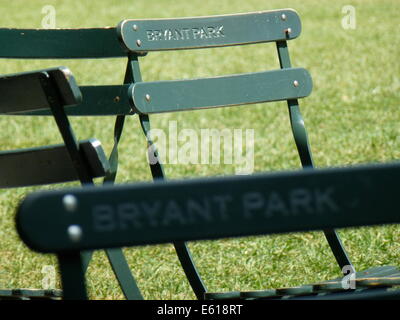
(86, 256)
(337, 248)
(123, 274)
(72, 276)
(115, 256)
(301, 139)
(190, 270)
(182, 250)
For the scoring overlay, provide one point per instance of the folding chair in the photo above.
(311, 200)
(145, 36)
(51, 89)
(102, 100)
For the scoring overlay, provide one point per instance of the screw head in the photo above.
(283, 16)
(138, 43)
(147, 97)
(288, 30)
(295, 83)
(70, 202)
(135, 27)
(75, 233)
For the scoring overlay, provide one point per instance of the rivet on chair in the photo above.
(139, 43)
(70, 202)
(283, 16)
(295, 83)
(75, 233)
(135, 27)
(147, 97)
(288, 30)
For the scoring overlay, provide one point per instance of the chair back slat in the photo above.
(23, 92)
(106, 100)
(257, 87)
(48, 164)
(60, 43)
(164, 212)
(208, 32)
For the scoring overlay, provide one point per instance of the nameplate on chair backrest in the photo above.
(207, 32)
(209, 208)
(241, 89)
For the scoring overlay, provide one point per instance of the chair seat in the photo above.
(376, 282)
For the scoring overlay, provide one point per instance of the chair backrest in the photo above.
(49, 89)
(132, 39)
(286, 83)
(23, 91)
(164, 212)
(139, 37)
(72, 44)
(49, 164)
(85, 43)
(143, 36)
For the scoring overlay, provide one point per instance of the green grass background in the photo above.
(352, 117)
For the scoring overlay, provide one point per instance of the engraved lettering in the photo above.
(220, 32)
(169, 35)
(186, 33)
(196, 32)
(179, 34)
(173, 213)
(275, 205)
(300, 201)
(211, 32)
(128, 214)
(151, 211)
(252, 201)
(150, 35)
(203, 34)
(103, 218)
(323, 201)
(157, 35)
(222, 202)
(195, 209)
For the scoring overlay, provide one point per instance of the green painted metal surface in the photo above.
(203, 32)
(60, 43)
(24, 91)
(303, 148)
(257, 87)
(212, 208)
(372, 278)
(97, 101)
(49, 164)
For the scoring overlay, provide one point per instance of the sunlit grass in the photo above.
(352, 117)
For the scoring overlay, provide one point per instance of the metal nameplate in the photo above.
(205, 32)
(162, 212)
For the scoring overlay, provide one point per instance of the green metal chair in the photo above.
(101, 100)
(279, 26)
(330, 198)
(49, 89)
(133, 39)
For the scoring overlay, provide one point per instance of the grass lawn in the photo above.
(352, 117)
